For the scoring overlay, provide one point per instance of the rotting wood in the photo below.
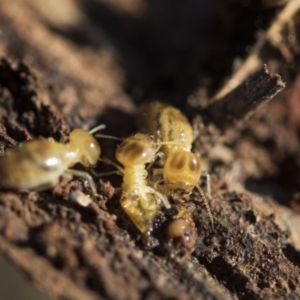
(246, 98)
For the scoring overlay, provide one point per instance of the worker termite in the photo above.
(182, 169)
(141, 202)
(38, 164)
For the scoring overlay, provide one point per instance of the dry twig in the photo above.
(246, 98)
(254, 62)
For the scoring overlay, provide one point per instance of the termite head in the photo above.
(181, 172)
(138, 149)
(182, 233)
(87, 146)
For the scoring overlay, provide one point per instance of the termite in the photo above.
(38, 164)
(181, 230)
(182, 168)
(141, 202)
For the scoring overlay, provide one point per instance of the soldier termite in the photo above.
(182, 168)
(38, 164)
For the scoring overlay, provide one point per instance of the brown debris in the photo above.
(21, 83)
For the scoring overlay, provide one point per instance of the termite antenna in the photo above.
(204, 198)
(108, 137)
(100, 127)
(106, 160)
(97, 128)
(176, 143)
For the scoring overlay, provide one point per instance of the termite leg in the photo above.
(208, 185)
(119, 171)
(88, 177)
(196, 133)
(157, 180)
(162, 197)
(101, 174)
(106, 160)
(158, 154)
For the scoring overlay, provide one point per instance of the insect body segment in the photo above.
(82, 148)
(182, 169)
(166, 124)
(140, 202)
(37, 164)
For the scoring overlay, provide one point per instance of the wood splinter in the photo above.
(245, 98)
